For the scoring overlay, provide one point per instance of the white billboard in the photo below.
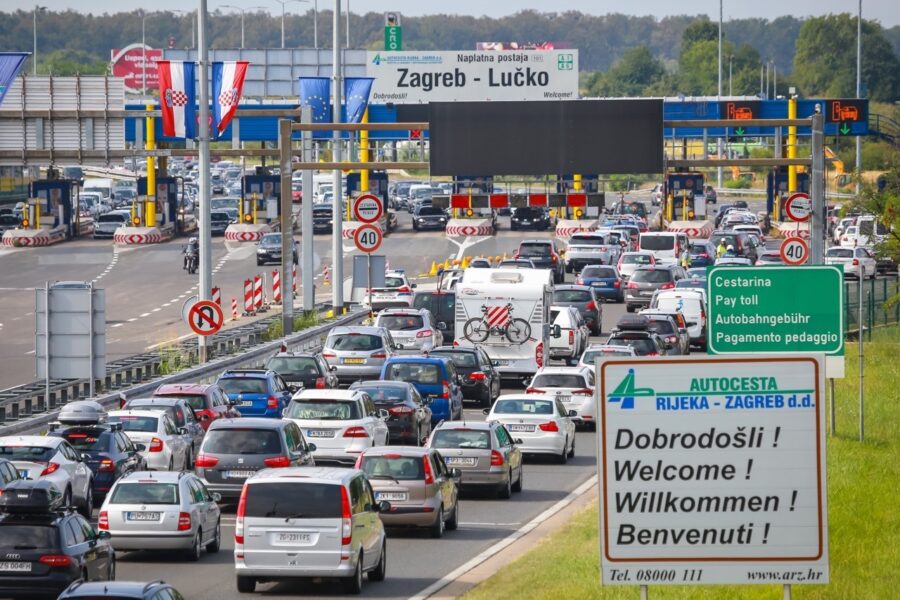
(473, 75)
(712, 470)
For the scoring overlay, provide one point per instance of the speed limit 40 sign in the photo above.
(367, 238)
(794, 251)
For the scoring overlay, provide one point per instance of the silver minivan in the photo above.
(309, 522)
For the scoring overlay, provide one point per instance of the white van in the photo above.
(666, 246)
(691, 304)
(104, 187)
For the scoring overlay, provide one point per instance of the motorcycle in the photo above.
(191, 259)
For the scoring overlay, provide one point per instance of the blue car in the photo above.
(605, 280)
(256, 392)
(435, 378)
(703, 254)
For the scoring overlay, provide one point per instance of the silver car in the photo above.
(358, 352)
(162, 511)
(411, 328)
(543, 424)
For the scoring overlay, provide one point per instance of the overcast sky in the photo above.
(886, 11)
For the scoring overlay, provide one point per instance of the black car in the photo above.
(480, 381)
(108, 452)
(8, 474)
(323, 218)
(122, 590)
(585, 302)
(308, 370)
(429, 217)
(409, 420)
(45, 546)
(530, 217)
(442, 305)
(219, 220)
(545, 255)
(634, 331)
(269, 249)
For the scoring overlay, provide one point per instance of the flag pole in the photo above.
(203, 139)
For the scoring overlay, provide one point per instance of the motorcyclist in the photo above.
(192, 250)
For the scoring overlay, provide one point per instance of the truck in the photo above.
(507, 313)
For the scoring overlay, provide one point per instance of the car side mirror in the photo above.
(382, 413)
(455, 473)
(311, 447)
(104, 535)
(398, 346)
(517, 441)
(556, 331)
(573, 413)
(83, 457)
(442, 325)
(182, 430)
(384, 506)
(283, 412)
(294, 388)
(217, 497)
(486, 411)
(332, 369)
(140, 447)
(414, 286)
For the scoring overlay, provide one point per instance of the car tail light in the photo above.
(429, 474)
(667, 286)
(476, 376)
(356, 432)
(156, 445)
(401, 410)
(516, 254)
(632, 285)
(855, 262)
(591, 306)
(671, 339)
(424, 334)
(346, 516)
(272, 402)
(184, 521)
(617, 284)
(704, 255)
(103, 520)
(379, 355)
(320, 383)
(548, 426)
(50, 468)
(106, 466)
(446, 391)
(583, 392)
(554, 258)
(239, 517)
(329, 355)
(496, 459)
(571, 337)
(277, 462)
(652, 354)
(206, 461)
(55, 560)
(532, 390)
(404, 290)
(539, 355)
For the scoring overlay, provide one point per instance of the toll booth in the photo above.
(260, 198)
(590, 185)
(166, 205)
(56, 199)
(777, 187)
(684, 199)
(378, 185)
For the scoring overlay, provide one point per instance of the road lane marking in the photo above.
(145, 315)
(178, 339)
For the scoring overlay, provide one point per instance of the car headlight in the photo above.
(260, 250)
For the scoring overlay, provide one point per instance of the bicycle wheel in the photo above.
(518, 331)
(476, 330)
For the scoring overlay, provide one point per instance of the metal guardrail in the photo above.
(25, 407)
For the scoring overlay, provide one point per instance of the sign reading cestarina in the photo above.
(450, 76)
(712, 470)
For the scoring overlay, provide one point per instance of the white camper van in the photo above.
(506, 312)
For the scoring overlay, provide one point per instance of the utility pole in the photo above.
(859, 95)
(37, 9)
(719, 97)
(338, 193)
(817, 227)
(205, 290)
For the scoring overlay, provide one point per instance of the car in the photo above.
(884, 263)
(207, 400)
(752, 229)
(573, 333)
(647, 280)
(106, 225)
(45, 546)
(162, 511)
(583, 299)
(303, 370)
(634, 331)
(667, 329)
(309, 522)
(480, 263)
(480, 380)
(857, 262)
(256, 392)
(592, 248)
(733, 261)
(545, 255)
(703, 253)
(396, 293)
(516, 263)
(769, 258)
(121, 590)
(696, 273)
(409, 416)
(182, 416)
(543, 425)
(341, 423)
(429, 217)
(690, 303)
(105, 449)
(657, 194)
(156, 437)
(358, 352)
(841, 227)
(741, 242)
(692, 283)
(422, 490)
(54, 460)
(219, 222)
(484, 452)
(666, 246)
(604, 280)
(268, 250)
(573, 386)
(411, 328)
(323, 218)
(435, 378)
(594, 350)
(442, 306)
(684, 337)
(530, 217)
(8, 222)
(629, 262)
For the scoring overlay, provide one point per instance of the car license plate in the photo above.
(564, 397)
(520, 427)
(15, 567)
(354, 361)
(600, 284)
(246, 403)
(500, 363)
(320, 433)
(398, 496)
(646, 292)
(462, 461)
(297, 538)
(142, 516)
(239, 474)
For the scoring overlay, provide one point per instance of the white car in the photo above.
(157, 439)
(396, 293)
(740, 261)
(841, 227)
(852, 237)
(856, 261)
(541, 423)
(573, 333)
(573, 386)
(594, 350)
(413, 328)
(341, 423)
(630, 261)
(52, 459)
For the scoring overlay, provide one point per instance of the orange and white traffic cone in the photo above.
(234, 310)
(326, 276)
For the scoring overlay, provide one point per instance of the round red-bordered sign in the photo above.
(205, 317)
(368, 208)
(367, 238)
(798, 207)
(794, 251)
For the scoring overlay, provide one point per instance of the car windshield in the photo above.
(270, 240)
(663, 328)
(427, 373)
(169, 410)
(691, 283)
(294, 366)
(111, 218)
(145, 493)
(524, 407)
(586, 240)
(28, 536)
(38, 453)
(87, 439)
(636, 259)
(465, 360)
(657, 242)
(384, 394)
(135, 422)
(642, 345)
(443, 304)
(195, 401)
(323, 410)
(578, 296)
(431, 211)
(400, 322)
(729, 240)
(651, 276)
(241, 441)
(462, 438)
(408, 468)
(558, 380)
(293, 500)
(697, 250)
(220, 203)
(590, 356)
(534, 250)
(360, 342)
(685, 305)
(243, 385)
(599, 272)
(393, 282)
(839, 253)
(219, 216)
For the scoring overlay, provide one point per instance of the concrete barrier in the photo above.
(565, 228)
(140, 236)
(791, 230)
(247, 232)
(692, 229)
(29, 238)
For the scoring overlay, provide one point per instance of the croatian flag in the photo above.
(177, 94)
(228, 82)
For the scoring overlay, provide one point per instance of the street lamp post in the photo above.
(193, 14)
(143, 52)
(730, 65)
(34, 49)
(719, 95)
(348, 24)
(859, 94)
(243, 12)
(283, 3)
(316, 24)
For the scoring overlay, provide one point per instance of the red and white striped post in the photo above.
(234, 312)
(217, 296)
(249, 305)
(276, 287)
(294, 280)
(257, 293)
(326, 276)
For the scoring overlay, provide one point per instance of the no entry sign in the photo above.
(798, 207)
(367, 238)
(205, 317)
(368, 208)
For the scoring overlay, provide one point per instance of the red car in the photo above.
(207, 399)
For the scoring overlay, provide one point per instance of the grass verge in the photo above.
(863, 507)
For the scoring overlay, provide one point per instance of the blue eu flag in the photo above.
(356, 94)
(315, 92)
